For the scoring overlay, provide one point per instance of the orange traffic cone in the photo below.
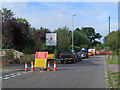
(26, 68)
(55, 69)
(48, 69)
(32, 67)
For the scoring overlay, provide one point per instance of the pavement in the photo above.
(89, 73)
(12, 68)
(114, 67)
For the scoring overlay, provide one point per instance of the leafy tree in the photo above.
(63, 38)
(15, 34)
(112, 43)
(6, 14)
(32, 30)
(80, 39)
(41, 34)
(90, 32)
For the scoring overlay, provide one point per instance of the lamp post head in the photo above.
(73, 15)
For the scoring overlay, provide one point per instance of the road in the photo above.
(89, 73)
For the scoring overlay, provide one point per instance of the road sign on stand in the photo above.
(41, 59)
(51, 39)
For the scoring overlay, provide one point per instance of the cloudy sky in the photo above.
(54, 15)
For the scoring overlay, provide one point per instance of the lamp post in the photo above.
(72, 28)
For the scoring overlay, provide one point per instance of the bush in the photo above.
(9, 54)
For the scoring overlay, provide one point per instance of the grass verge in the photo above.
(116, 78)
(114, 60)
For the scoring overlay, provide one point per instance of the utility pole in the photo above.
(109, 39)
(72, 29)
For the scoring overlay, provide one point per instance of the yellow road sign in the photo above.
(40, 63)
(41, 59)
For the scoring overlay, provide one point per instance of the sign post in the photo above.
(51, 40)
(41, 59)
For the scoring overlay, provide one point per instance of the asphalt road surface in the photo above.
(89, 73)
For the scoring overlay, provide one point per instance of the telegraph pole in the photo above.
(109, 39)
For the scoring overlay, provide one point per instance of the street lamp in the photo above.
(72, 28)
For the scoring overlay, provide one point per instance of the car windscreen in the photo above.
(66, 52)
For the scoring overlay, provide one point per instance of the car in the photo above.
(67, 55)
(79, 57)
(84, 53)
(90, 54)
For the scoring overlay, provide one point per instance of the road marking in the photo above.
(13, 76)
(6, 78)
(6, 75)
(18, 74)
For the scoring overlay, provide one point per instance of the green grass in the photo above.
(110, 80)
(114, 73)
(114, 60)
(116, 78)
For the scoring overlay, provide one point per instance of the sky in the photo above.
(54, 15)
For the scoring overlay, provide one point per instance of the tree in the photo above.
(63, 38)
(90, 32)
(39, 36)
(6, 14)
(81, 39)
(15, 34)
(112, 43)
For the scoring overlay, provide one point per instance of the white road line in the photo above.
(6, 78)
(6, 75)
(13, 76)
(18, 74)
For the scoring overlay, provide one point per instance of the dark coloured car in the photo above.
(67, 55)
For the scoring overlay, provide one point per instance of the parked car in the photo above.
(90, 54)
(84, 54)
(79, 57)
(67, 55)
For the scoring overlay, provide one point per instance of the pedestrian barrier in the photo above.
(55, 69)
(48, 69)
(26, 68)
(32, 67)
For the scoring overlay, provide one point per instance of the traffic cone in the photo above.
(48, 69)
(55, 69)
(26, 68)
(32, 67)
